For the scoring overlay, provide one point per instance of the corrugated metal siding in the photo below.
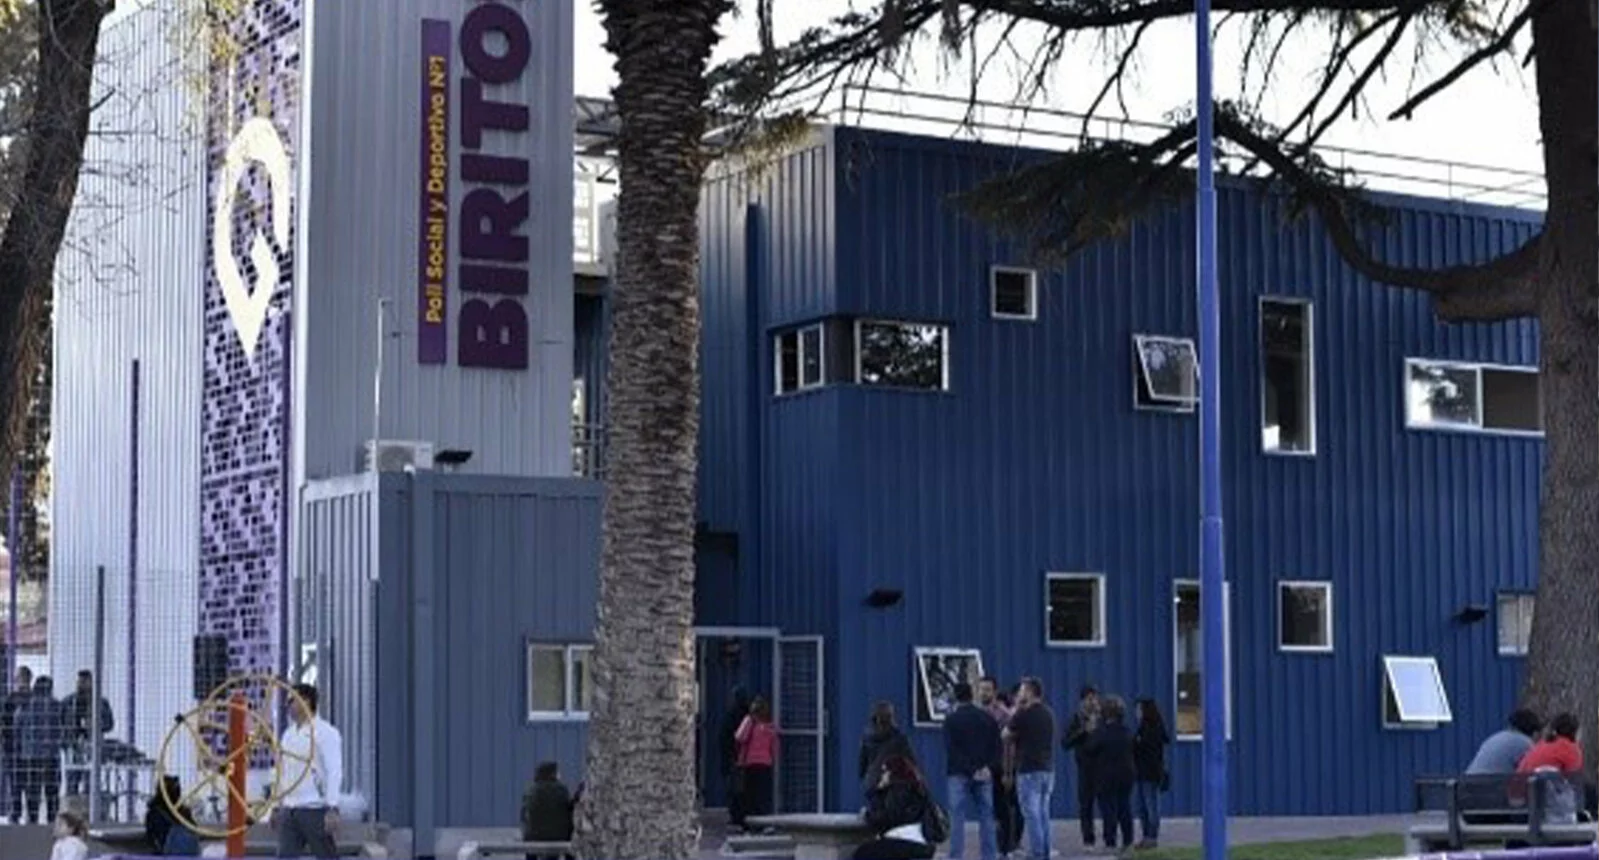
(1036, 461)
(128, 287)
(784, 246)
(340, 567)
(592, 326)
(510, 560)
(361, 192)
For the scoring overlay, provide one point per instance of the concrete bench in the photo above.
(759, 847)
(1457, 812)
(819, 837)
(475, 850)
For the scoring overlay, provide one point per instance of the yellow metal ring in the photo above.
(215, 769)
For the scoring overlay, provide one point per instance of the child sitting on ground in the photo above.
(547, 809)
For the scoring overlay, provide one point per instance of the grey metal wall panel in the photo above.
(128, 287)
(506, 560)
(361, 198)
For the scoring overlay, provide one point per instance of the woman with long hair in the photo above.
(882, 739)
(757, 755)
(1149, 756)
(909, 824)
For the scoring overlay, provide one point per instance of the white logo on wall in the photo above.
(257, 142)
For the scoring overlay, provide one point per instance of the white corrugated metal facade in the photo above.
(362, 202)
(128, 288)
(131, 281)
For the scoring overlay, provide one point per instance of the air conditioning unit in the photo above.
(393, 455)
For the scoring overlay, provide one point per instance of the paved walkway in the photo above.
(1185, 831)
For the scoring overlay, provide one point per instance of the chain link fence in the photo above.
(82, 726)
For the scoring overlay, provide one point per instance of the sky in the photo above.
(1486, 118)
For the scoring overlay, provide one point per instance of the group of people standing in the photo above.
(1000, 768)
(35, 729)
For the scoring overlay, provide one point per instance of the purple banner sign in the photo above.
(495, 48)
(433, 228)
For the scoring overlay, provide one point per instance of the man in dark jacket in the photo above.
(79, 712)
(41, 732)
(727, 733)
(1110, 751)
(971, 746)
(10, 741)
(1083, 725)
(547, 809)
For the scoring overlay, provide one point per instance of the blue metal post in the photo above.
(1212, 571)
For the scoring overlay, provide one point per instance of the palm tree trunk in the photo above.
(640, 799)
(1562, 666)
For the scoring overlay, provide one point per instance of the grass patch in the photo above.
(1345, 848)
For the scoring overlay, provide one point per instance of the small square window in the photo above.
(1413, 693)
(1074, 609)
(1013, 293)
(1305, 617)
(559, 683)
(1515, 623)
(800, 359)
(1165, 372)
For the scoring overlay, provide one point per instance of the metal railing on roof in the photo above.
(1032, 127)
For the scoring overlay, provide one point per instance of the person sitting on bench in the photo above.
(547, 809)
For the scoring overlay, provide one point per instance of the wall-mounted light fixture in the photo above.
(883, 598)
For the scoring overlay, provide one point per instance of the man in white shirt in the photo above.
(313, 756)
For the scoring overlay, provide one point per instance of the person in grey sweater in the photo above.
(1502, 750)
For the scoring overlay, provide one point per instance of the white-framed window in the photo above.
(1188, 658)
(1287, 377)
(906, 355)
(1453, 395)
(559, 684)
(1305, 617)
(1165, 373)
(1074, 610)
(1013, 293)
(799, 363)
(1413, 694)
(1515, 622)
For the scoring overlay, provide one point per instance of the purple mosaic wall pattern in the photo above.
(245, 405)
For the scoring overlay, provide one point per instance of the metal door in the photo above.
(801, 724)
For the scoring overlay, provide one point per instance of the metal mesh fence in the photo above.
(86, 722)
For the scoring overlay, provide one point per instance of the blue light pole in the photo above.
(1212, 571)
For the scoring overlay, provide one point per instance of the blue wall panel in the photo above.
(1036, 461)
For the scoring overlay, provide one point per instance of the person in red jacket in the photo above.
(757, 754)
(1559, 752)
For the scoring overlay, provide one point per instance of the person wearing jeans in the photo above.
(1032, 731)
(971, 746)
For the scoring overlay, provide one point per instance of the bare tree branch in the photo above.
(1502, 44)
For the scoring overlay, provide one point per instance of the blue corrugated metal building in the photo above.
(899, 409)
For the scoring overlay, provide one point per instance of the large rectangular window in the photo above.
(1413, 693)
(800, 360)
(1288, 378)
(1165, 373)
(902, 355)
(558, 681)
(1188, 659)
(1515, 622)
(1449, 395)
(1074, 608)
